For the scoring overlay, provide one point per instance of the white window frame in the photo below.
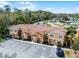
(51, 34)
(59, 36)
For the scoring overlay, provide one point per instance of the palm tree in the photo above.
(75, 44)
(29, 36)
(69, 41)
(59, 44)
(20, 34)
(70, 36)
(7, 9)
(45, 37)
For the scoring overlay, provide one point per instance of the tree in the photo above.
(7, 8)
(70, 35)
(29, 36)
(20, 33)
(1, 10)
(77, 16)
(4, 22)
(65, 18)
(75, 44)
(59, 44)
(17, 16)
(45, 37)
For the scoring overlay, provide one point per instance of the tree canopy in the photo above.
(16, 16)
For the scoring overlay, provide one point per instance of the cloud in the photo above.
(22, 2)
(20, 5)
(28, 5)
(77, 8)
(63, 9)
(3, 3)
(56, 10)
(33, 7)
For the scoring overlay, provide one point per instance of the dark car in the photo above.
(60, 53)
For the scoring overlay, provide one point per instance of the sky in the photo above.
(52, 6)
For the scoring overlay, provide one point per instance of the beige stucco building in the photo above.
(54, 34)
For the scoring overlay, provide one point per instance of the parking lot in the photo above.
(26, 49)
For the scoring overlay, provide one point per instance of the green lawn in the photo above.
(1, 39)
(66, 26)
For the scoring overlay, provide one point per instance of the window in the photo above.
(60, 35)
(51, 34)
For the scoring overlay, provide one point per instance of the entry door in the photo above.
(38, 40)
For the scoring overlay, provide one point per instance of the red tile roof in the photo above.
(37, 28)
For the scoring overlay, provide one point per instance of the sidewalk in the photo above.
(77, 55)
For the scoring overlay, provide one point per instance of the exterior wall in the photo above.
(34, 38)
(25, 35)
(48, 38)
(55, 38)
(40, 38)
(51, 40)
(14, 35)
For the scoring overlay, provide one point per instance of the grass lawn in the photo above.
(66, 26)
(1, 40)
(48, 24)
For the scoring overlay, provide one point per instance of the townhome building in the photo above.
(39, 33)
